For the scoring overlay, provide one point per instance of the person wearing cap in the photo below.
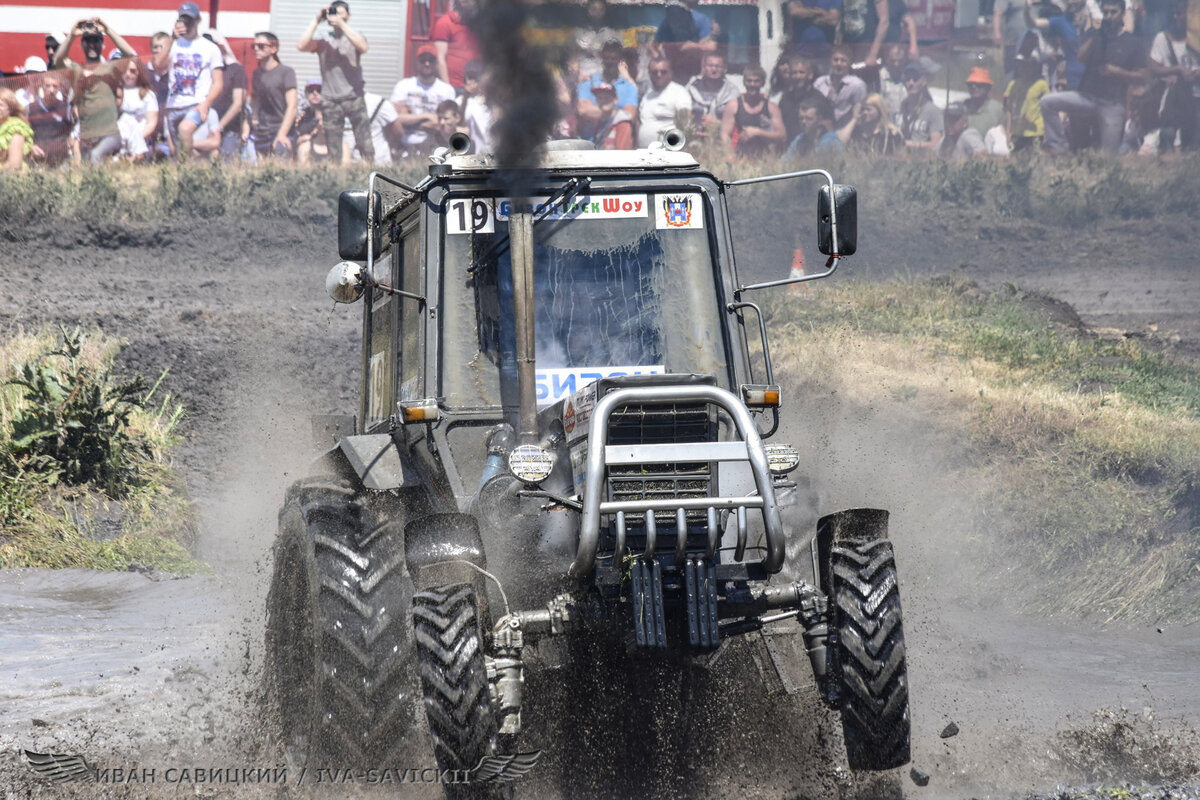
(339, 51)
(273, 100)
(587, 108)
(309, 130)
(416, 100)
(921, 121)
(454, 42)
(962, 142)
(232, 100)
(97, 85)
(983, 110)
(612, 129)
(52, 44)
(197, 78)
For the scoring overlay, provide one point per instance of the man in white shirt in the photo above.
(196, 78)
(384, 120)
(416, 100)
(662, 104)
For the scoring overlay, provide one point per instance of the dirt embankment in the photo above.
(166, 674)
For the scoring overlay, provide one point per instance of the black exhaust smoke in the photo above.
(520, 87)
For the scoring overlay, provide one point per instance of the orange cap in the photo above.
(979, 75)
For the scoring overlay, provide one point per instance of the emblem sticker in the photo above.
(684, 211)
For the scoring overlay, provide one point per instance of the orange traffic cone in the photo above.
(797, 289)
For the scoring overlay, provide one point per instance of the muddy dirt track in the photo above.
(159, 674)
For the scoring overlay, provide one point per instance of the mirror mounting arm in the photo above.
(371, 283)
(834, 256)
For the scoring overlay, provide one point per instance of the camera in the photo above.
(88, 26)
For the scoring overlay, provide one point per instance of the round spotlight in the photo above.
(530, 463)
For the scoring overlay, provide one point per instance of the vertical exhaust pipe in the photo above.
(673, 139)
(460, 143)
(520, 233)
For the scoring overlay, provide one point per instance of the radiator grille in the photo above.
(661, 424)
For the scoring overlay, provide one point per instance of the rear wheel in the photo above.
(458, 704)
(869, 656)
(338, 650)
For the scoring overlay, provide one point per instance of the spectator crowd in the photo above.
(1076, 74)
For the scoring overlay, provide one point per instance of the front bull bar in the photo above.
(599, 455)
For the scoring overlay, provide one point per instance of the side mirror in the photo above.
(352, 224)
(846, 200)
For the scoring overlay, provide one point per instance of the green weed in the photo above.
(84, 475)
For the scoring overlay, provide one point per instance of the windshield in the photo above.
(624, 284)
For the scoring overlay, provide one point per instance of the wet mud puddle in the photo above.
(120, 662)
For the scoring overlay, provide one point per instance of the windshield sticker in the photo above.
(685, 211)
(609, 206)
(555, 384)
(479, 215)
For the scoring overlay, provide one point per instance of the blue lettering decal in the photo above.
(561, 387)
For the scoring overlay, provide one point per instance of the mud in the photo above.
(128, 671)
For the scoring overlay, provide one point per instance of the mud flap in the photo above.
(438, 550)
(779, 655)
(853, 524)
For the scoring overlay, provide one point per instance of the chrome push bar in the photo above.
(749, 449)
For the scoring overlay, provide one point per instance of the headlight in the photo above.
(345, 283)
(782, 458)
(530, 463)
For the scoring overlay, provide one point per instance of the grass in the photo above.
(1086, 188)
(85, 473)
(1085, 452)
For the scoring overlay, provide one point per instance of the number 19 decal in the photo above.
(470, 216)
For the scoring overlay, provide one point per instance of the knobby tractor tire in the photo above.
(870, 655)
(462, 719)
(338, 650)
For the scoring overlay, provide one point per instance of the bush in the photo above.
(84, 478)
(73, 424)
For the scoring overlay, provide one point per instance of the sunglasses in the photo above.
(427, 59)
(261, 45)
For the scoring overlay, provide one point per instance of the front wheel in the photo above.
(869, 657)
(338, 651)
(458, 703)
